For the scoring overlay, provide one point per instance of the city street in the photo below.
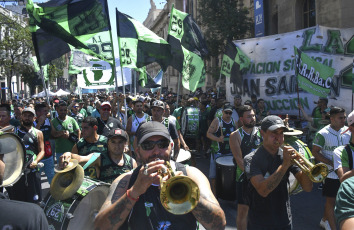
(307, 208)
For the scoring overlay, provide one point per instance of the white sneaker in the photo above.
(325, 225)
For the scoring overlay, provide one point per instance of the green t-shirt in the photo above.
(63, 145)
(177, 113)
(344, 208)
(83, 112)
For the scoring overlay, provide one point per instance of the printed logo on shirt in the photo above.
(70, 126)
(164, 225)
(110, 125)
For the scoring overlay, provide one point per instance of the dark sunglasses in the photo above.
(106, 109)
(149, 145)
(75, 106)
(228, 113)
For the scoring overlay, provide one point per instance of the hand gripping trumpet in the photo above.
(317, 173)
(179, 194)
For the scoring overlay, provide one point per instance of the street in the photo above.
(307, 208)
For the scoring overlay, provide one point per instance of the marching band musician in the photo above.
(268, 170)
(133, 201)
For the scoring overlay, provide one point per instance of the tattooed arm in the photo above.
(208, 211)
(117, 206)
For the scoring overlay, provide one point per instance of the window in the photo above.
(309, 14)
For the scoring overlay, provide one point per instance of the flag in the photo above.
(146, 81)
(37, 68)
(78, 61)
(188, 48)
(312, 76)
(83, 24)
(231, 56)
(138, 45)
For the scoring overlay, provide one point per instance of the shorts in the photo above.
(330, 187)
(212, 168)
(239, 193)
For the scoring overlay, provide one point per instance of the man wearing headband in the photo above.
(267, 169)
(134, 199)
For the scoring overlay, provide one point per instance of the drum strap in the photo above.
(350, 156)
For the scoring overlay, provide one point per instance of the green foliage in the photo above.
(30, 77)
(15, 46)
(223, 20)
(55, 68)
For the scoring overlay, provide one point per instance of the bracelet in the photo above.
(131, 198)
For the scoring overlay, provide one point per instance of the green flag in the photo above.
(187, 47)
(138, 45)
(312, 76)
(83, 24)
(37, 68)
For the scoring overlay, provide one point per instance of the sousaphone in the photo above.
(14, 157)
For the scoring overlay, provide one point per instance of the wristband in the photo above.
(131, 198)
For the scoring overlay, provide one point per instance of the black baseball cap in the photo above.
(227, 107)
(117, 133)
(272, 123)
(149, 129)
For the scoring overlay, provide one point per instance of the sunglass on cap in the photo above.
(106, 109)
(149, 145)
(228, 113)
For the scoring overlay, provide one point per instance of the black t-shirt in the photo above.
(105, 126)
(274, 210)
(19, 215)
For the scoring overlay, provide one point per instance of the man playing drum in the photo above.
(28, 188)
(134, 201)
(268, 170)
(243, 141)
(219, 132)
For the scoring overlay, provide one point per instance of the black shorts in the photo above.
(27, 192)
(330, 187)
(239, 193)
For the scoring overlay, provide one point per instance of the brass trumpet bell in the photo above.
(179, 194)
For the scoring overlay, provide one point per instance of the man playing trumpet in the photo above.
(268, 170)
(133, 201)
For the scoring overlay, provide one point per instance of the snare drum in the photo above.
(14, 157)
(225, 178)
(78, 212)
(184, 157)
(301, 147)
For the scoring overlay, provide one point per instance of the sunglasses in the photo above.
(149, 145)
(106, 109)
(228, 113)
(75, 106)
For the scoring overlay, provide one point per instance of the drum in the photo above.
(225, 178)
(184, 157)
(301, 147)
(78, 212)
(14, 157)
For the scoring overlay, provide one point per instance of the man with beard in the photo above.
(134, 199)
(28, 188)
(109, 164)
(62, 127)
(106, 123)
(243, 141)
(76, 114)
(267, 169)
(136, 119)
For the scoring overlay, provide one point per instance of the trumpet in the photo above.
(316, 172)
(179, 194)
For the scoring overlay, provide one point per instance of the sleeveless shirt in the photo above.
(109, 170)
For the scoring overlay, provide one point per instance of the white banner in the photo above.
(100, 76)
(271, 75)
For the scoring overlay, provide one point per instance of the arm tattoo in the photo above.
(117, 193)
(117, 215)
(274, 182)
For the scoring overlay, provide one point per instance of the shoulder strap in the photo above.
(350, 156)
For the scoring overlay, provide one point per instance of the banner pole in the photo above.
(178, 85)
(44, 85)
(134, 82)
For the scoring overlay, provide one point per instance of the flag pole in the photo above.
(134, 82)
(44, 85)
(178, 86)
(121, 68)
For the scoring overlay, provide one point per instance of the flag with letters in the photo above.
(188, 49)
(138, 45)
(312, 76)
(83, 24)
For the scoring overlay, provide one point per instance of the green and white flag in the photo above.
(37, 69)
(138, 45)
(312, 76)
(83, 24)
(146, 81)
(188, 49)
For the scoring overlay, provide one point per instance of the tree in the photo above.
(30, 77)
(223, 20)
(15, 46)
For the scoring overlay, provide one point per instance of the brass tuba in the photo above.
(317, 173)
(179, 194)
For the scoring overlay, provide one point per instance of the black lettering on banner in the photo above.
(94, 47)
(125, 55)
(226, 66)
(176, 25)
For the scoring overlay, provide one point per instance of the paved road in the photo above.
(307, 208)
